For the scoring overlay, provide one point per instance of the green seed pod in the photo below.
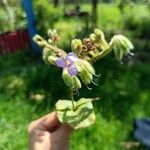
(121, 46)
(52, 59)
(76, 46)
(39, 40)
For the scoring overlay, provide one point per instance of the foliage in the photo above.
(46, 15)
(124, 91)
(119, 103)
(138, 23)
(19, 18)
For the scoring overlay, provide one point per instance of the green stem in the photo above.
(102, 54)
(72, 98)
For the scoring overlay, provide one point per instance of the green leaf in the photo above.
(79, 117)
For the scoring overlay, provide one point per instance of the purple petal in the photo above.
(72, 57)
(60, 62)
(72, 70)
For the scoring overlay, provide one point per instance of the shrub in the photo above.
(46, 15)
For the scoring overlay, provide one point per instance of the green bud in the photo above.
(39, 40)
(51, 32)
(121, 46)
(99, 38)
(50, 41)
(52, 59)
(93, 37)
(76, 46)
(99, 34)
(46, 53)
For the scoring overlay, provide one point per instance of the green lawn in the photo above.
(124, 92)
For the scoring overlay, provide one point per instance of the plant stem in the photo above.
(102, 54)
(72, 98)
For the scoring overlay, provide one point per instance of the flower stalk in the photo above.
(72, 98)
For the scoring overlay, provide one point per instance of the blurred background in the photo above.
(29, 88)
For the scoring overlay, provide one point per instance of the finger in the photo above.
(49, 122)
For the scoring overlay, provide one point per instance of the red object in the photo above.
(14, 41)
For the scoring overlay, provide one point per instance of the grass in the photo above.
(124, 97)
(123, 90)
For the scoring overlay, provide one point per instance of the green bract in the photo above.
(80, 117)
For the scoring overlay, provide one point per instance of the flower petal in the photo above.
(72, 57)
(60, 62)
(72, 70)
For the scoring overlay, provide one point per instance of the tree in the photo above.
(94, 13)
(56, 2)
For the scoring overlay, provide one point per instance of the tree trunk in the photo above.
(56, 3)
(94, 13)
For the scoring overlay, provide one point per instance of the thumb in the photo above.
(49, 122)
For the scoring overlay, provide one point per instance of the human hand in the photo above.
(47, 133)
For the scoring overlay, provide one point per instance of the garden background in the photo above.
(29, 88)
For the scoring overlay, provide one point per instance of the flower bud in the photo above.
(99, 38)
(39, 40)
(52, 59)
(99, 34)
(121, 46)
(76, 46)
(93, 37)
(46, 53)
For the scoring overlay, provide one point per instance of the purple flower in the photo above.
(68, 63)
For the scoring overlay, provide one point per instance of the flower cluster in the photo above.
(77, 68)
